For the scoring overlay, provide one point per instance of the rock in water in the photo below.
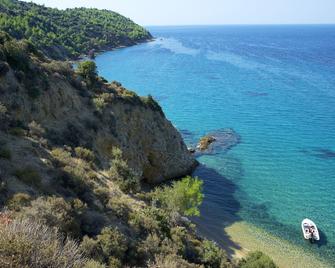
(218, 141)
(205, 142)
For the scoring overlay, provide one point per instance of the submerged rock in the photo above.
(218, 141)
(205, 142)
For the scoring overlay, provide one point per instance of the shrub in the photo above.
(29, 176)
(30, 244)
(257, 259)
(60, 67)
(171, 261)
(103, 194)
(211, 255)
(3, 109)
(5, 153)
(56, 212)
(125, 177)
(94, 264)
(109, 243)
(35, 129)
(184, 196)
(33, 92)
(19, 200)
(99, 104)
(150, 219)
(4, 68)
(17, 131)
(152, 103)
(88, 71)
(61, 155)
(84, 154)
(16, 54)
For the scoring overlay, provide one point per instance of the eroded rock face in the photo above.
(150, 143)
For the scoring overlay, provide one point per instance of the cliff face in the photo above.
(67, 113)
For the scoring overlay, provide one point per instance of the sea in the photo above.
(270, 87)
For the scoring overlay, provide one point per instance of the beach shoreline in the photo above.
(284, 253)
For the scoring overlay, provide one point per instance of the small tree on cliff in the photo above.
(88, 71)
(184, 196)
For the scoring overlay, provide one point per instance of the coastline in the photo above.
(285, 254)
(107, 49)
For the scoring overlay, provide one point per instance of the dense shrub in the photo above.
(257, 260)
(171, 261)
(29, 176)
(56, 212)
(19, 200)
(60, 67)
(84, 154)
(150, 219)
(3, 109)
(211, 255)
(30, 244)
(17, 131)
(35, 129)
(88, 71)
(5, 153)
(120, 172)
(17, 54)
(110, 243)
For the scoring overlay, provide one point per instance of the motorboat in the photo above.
(309, 230)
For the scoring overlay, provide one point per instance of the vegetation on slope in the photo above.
(68, 33)
(55, 182)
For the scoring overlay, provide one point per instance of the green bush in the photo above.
(29, 176)
(150, 219)
(184, 196)
(3, 109)
(110, 243)
(16, 54)
(257, 259)
(88, 71)
(19, 200)
(5, 153)
(125, 177)
(84, 154)
(30, 244)
(211, 255)
(17, 131)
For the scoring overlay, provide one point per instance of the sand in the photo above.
(285, 254)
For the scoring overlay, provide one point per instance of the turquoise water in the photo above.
(275, 86)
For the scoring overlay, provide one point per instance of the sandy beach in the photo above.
(284, 253)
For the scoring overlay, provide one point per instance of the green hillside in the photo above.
(68, 33)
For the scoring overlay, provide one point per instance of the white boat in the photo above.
(310, 230)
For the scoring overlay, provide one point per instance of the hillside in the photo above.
(80, 159)
(62, 34)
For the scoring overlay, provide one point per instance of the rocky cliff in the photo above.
(69, 114)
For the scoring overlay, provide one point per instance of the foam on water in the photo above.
(281, 102)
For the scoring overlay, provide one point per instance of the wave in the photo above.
(175, 46)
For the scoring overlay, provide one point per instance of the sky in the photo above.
(200, 12)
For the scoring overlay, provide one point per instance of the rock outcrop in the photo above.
(68, 114)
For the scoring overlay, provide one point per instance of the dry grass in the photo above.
(29, 244)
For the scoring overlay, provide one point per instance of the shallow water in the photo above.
(275, 86)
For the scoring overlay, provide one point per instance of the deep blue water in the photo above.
(275, 86)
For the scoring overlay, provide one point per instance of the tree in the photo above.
(87, 70)
(184, 196)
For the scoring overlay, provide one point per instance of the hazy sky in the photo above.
(185, 12)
